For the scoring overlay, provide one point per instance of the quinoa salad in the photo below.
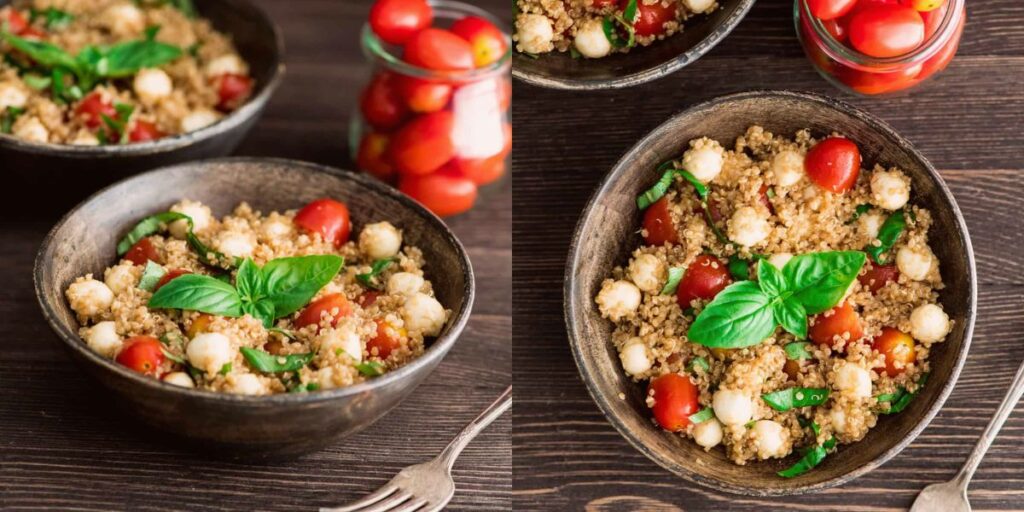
(783, 299)
(99, 72)
(259, 304)
(597, 28)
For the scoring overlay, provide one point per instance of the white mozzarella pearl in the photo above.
(853, 380)
(380, 240)
(890, 190)
(591, 41)
(732, 407)
(748, 227)
(618, 299)
(534, 33)
(770, 439)
(648, 273)
(914, 263)
(708, 433)
(425, 314)
(179, 379)
(90, 297)
(929, 323)
(209, 351)
(103, 339)
(704, 162)
(788, 167)
(404, 283)
(152, 85)
(634, 357)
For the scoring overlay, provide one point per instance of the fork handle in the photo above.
(1005, 408)
(454, 448)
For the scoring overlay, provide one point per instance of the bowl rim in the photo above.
(437, 351)
(571, 299)
(226, 124)
(641, 77)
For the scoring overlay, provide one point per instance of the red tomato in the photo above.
(830, 9)
(200, 325)
(704, 278)
(878, 276)
(867, 82)
(942, 58)
(372, 156)
(424, 144)
(440, 50)
(487, 41)
(504, 93)
(833, 164)
(898, 348)
(396, 21)
(444, 193)
(765, 200)
(16, 22)
(838, 28)
(368, 298)
(335, 305)
(382, 104)
(32, 33)
(675, 399)
(886, 30)
(601, 4)
(485, 170)
(933, 19)
(143, 354)
(651, 19)
(143, 251)
(386, 340)
(92, 108)
(170, 275)
(233, 90)
(424, 96)
(658, 224)
(144, 131)
(328, 217)
(838, 321)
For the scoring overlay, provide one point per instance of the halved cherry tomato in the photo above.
(367, 298)
(886, 30)
(838, 321)
(143, 251)
(144, 131)
(169, 276)
(200, 325)
(424, 96)
(386, 340)
(143, 354)
(838, 28)
(382, 104)
(372, 156)
(658, 224)
(878, 276)
(92, 108)
(440, 50)
(232, 90)
(334, 304)
(942, 58)
(651, 19)
(675, 399)
(16, 22)
(444, 193)
(396, 21)
(933, 19)
(485, 170)
(487, 41)
(833, 164)
(898, 348)
(704, 278)
(830, 9)
(424, 144)
(869, 82)
(32, 33)
(328, 217)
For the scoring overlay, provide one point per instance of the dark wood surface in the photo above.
(62, 447)
(968, 123)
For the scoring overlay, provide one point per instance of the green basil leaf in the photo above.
(798, 350)
(206, 255)
(54, 19)
(890, 397)
(370, 368)
(771, 280)
(125, 59)
(698, 362)
(904, 397)
(701, 416)
(8, 117)
(656, 192)
(261, 310)
(151, 32)
(37, 82)
(887, 235)
(739, 316)
(226, 369)
(812, 458)
(675, 274)
(43, 53)
(629, 13)
(792, 316)
(819, 280)
(269, 363)
(151, 276)
(792, 398)
(284, 332)
(196, 292)
(302, 388)
(369, 279)
(739, 268)
(146, 227)
(290, 282)
(249, 281)
(170, 355)
(806, 423)
(861, 209)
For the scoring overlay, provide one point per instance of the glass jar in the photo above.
(857, 73)
(436, 135)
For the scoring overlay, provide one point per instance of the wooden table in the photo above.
(969, 124)
(62, 446)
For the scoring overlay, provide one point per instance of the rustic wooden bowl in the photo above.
(607, 234)
(558, 70)
(261, 426)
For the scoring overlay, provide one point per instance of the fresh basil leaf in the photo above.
(151, 32)
(146, 227)
(904, 398)
(630, 12)
(698, 362)
(269, 363)
(43, 53)
(819, 280)
(226, 369)
(151, 276)
(196, 292)
(261, 310)
(170, 355)
(302, 388)
(249, 281)
(290, 282)
(284, 332)
(812, 458)
(806, 423)
(675, 274)
(891, 397)
(370, 368)
(792, 398)
(861, 209)
(54, 19)
(8, 117)
(37, 82)
(797, 350)
(739, 268)
(701, 416)
(206, 255)
(125, 59)
(771, 280)
(792, 316)
(739, 316)
(369, 279)
(887, 236)
(656, 192)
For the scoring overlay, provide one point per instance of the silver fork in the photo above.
(951, 496)
(428, 487)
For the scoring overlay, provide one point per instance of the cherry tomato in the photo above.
(170, 275)
(504, 93)
(830, 9)
(143, 354)
(424, 144)
(487, 41)
(838, 28)
(838, 321)
(328, 217)
(833, 164)
(601, 4)
(878, 276)
(868, 82)
(382, 104)
(372, 156)
(651, 19)
(143, 251)
(368, 298)
(92, 108)
(765, 200)
(440, 50)
(444, 193)
(675, 399)
(926, 5)
(396, 21)
(16, 22)
(485, 170)
(933, 19)
(703, 279)
(233, 90)
(32, 33)
(898, 348)
(658, 224)
(424, 96)
(144, 131)
(334, 304)
(886, 30)
(200, 325)
(942, 58)
(386, 340)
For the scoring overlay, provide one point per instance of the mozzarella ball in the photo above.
(209, 351)
(30, 128)
(123, 19)
(275, 228)
(618, 299)
(890, 189)
(852, 380)
(246, 384)
(838, 419)
(870, 223)
(120, 277)
(151, 85)
(788, 167)
(779, 260)
(914, 263)
(344, 339)
(234, 244)
(648, 273)
(591, 41)
(102, 338)
(708, 433)
(425, 314)
(404, 283)
(85, 138)
(748, 227)
(699, 6)
(12, 95)
(198, 119)
(704, 161)
(89, 297)
(770, 439)
(732, 407)
(325, 377)
(179, 379)
(199, 213)
(380, 240)
(225, 64)
(534, 33)
(634, 357)
(929, 323)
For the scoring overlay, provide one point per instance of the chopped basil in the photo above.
(793, 398)
(806, 423)
(574, 53)
(118, 124)
(369, 279)
(901, 398)
(37, 82)
(185, 6)
(302, 388)
(370, 368)
(701, 416)
(770, 193)
(194, 49)
(284, 332)
(172, 338)
(861, 209)
(53, 18)
(739, 268)
(196, 292)
(170, 355)
(226, 369)
(887, 236)
(798, 350)
(151, 32)
(625, 20)
(811, 458)
(675, 274)
(669, 172)
(150, 225)
(750, 423)
(698, 362)
(7, 118)
(151, 275)
(269, 363)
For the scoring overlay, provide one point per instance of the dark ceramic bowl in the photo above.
(607, 234)
(87, 167)
(558, 70)
(270, 426)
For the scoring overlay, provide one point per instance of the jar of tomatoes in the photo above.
(433, 117)
(872, 47)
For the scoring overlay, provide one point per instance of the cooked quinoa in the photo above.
(768, 209)
(351, 329)
(191, 75)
